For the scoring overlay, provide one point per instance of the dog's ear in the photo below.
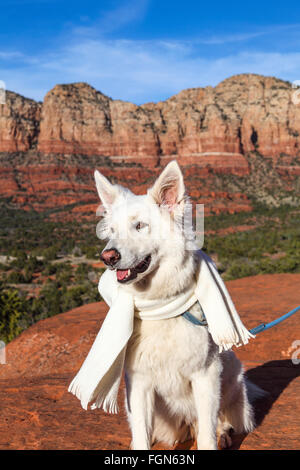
(168, 190)
(107, 192)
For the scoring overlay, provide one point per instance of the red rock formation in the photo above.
(207, 126)
(39, 413)
(210, 126)
(245, 126)
(19, 123)
(54, 183)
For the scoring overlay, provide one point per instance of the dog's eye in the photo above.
(140, 225)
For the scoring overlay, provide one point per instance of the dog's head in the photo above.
(143, 232)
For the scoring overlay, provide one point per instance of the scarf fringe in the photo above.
(108, 403)
(104, 392)
(106, 399)
(238, 337)
(75, 388)
(245, 336)
(224, 323)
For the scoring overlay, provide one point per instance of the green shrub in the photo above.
(15, 277)
(63, 274)
(12, 309)
(91, 252)
(48, 303)
(81, 273)
(50, 253)
(241, 268)
(33, 264)
(28, 274)
(50, 269)
(20, 261)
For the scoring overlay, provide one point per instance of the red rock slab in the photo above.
(39, 413)
(39, 186)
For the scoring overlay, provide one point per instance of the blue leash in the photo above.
(258, 329)
(266, 326)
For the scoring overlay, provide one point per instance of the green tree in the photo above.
(12, 308)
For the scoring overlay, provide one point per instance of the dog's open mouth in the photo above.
(125, 275)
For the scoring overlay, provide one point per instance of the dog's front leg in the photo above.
(140, 402)
(206, 393)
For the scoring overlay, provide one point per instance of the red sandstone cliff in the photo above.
(246, 127)
(242, 113)
(207, 126)
(19, 123)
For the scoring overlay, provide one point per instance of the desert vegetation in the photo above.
(49, 267)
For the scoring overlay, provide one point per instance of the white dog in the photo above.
(178, 384)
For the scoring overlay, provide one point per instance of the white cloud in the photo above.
(7, 55)
(139, 71)
(246, 36)
(112, 20)
(215, 40)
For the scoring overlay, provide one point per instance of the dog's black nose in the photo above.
(110, 257)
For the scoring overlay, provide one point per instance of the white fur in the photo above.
(178, 384)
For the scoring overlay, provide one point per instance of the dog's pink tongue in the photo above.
(121, 274)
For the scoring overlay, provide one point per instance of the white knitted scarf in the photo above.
(99, 378)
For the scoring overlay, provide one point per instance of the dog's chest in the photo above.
(167, 353)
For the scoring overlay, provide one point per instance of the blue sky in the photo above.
(144, 50)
